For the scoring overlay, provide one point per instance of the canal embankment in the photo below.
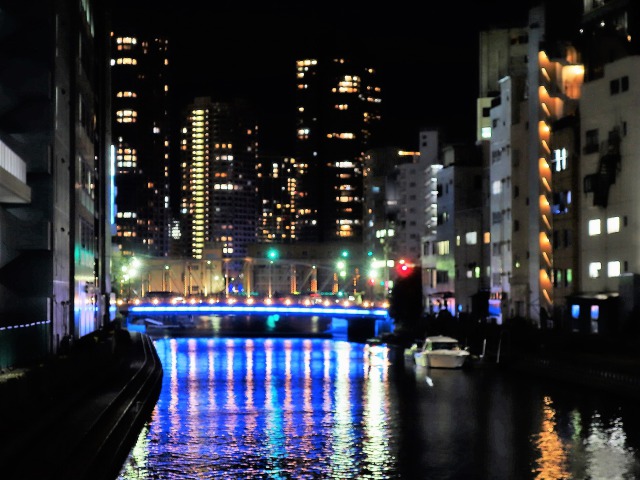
(78, 415)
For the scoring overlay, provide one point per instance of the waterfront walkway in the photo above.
(77, 416)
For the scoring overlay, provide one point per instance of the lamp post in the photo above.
(384, 237)
(272, 255)
(341, 273)
(226, 277)
(129, 271)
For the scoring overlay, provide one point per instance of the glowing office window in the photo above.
(594, 269)
(613, 224)
(613, 269)
(594, 227)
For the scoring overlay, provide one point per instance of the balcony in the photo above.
(13, 177)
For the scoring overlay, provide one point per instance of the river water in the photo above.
(321, 408)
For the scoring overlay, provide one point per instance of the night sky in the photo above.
(426, 58)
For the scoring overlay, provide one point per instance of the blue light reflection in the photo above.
(267, 408)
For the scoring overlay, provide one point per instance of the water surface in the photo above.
(307, 408)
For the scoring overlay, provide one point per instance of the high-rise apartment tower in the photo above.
(338, 109)
(141, 133)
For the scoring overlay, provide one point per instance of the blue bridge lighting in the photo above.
(259, 309)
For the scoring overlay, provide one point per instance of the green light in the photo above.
(272, 254)
(370, 253)
(345, 253)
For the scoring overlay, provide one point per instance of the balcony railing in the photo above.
(13, 177)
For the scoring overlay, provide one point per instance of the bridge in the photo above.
(266, 307)
(180, 314)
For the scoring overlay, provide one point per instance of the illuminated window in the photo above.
(442, 247)
(126, 61)
(560, 159)
(613, 269)
(496, 187)
(613, 224)
(575, 311)
(471, 238)
(486, 132)
(594, 269)
(126, 116)
(594, 227)
(595, 313)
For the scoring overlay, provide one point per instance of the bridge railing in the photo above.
(266, 306)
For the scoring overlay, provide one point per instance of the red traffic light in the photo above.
(403, 268)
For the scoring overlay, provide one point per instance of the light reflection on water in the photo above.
(273, 408)
(266, 408)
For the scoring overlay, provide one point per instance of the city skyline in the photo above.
(426, 64)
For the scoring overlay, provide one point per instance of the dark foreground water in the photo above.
(277, 408)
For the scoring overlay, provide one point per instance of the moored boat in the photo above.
(440, 351)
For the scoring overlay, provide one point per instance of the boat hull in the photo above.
(440, 359)
(443, 360)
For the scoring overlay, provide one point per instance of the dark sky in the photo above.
(425, 54)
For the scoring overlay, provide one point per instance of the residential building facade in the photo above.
(338, 110)
(219, 203)
(54, 171)
(141, 132)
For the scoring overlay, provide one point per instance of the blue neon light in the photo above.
(261, 309)
(112, 185)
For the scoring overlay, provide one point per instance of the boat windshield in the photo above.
(444, 346)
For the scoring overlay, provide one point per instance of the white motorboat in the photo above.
(441, 352)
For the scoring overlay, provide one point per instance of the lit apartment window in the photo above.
(126, 116)
(486, 132)
(594, 227)
(471, 238)
(443, 247)
(613, 224)
(594, 269)
(613, 269)
(496, 187)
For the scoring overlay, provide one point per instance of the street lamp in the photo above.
(272, 255)
(129, 271)
(384, 237)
